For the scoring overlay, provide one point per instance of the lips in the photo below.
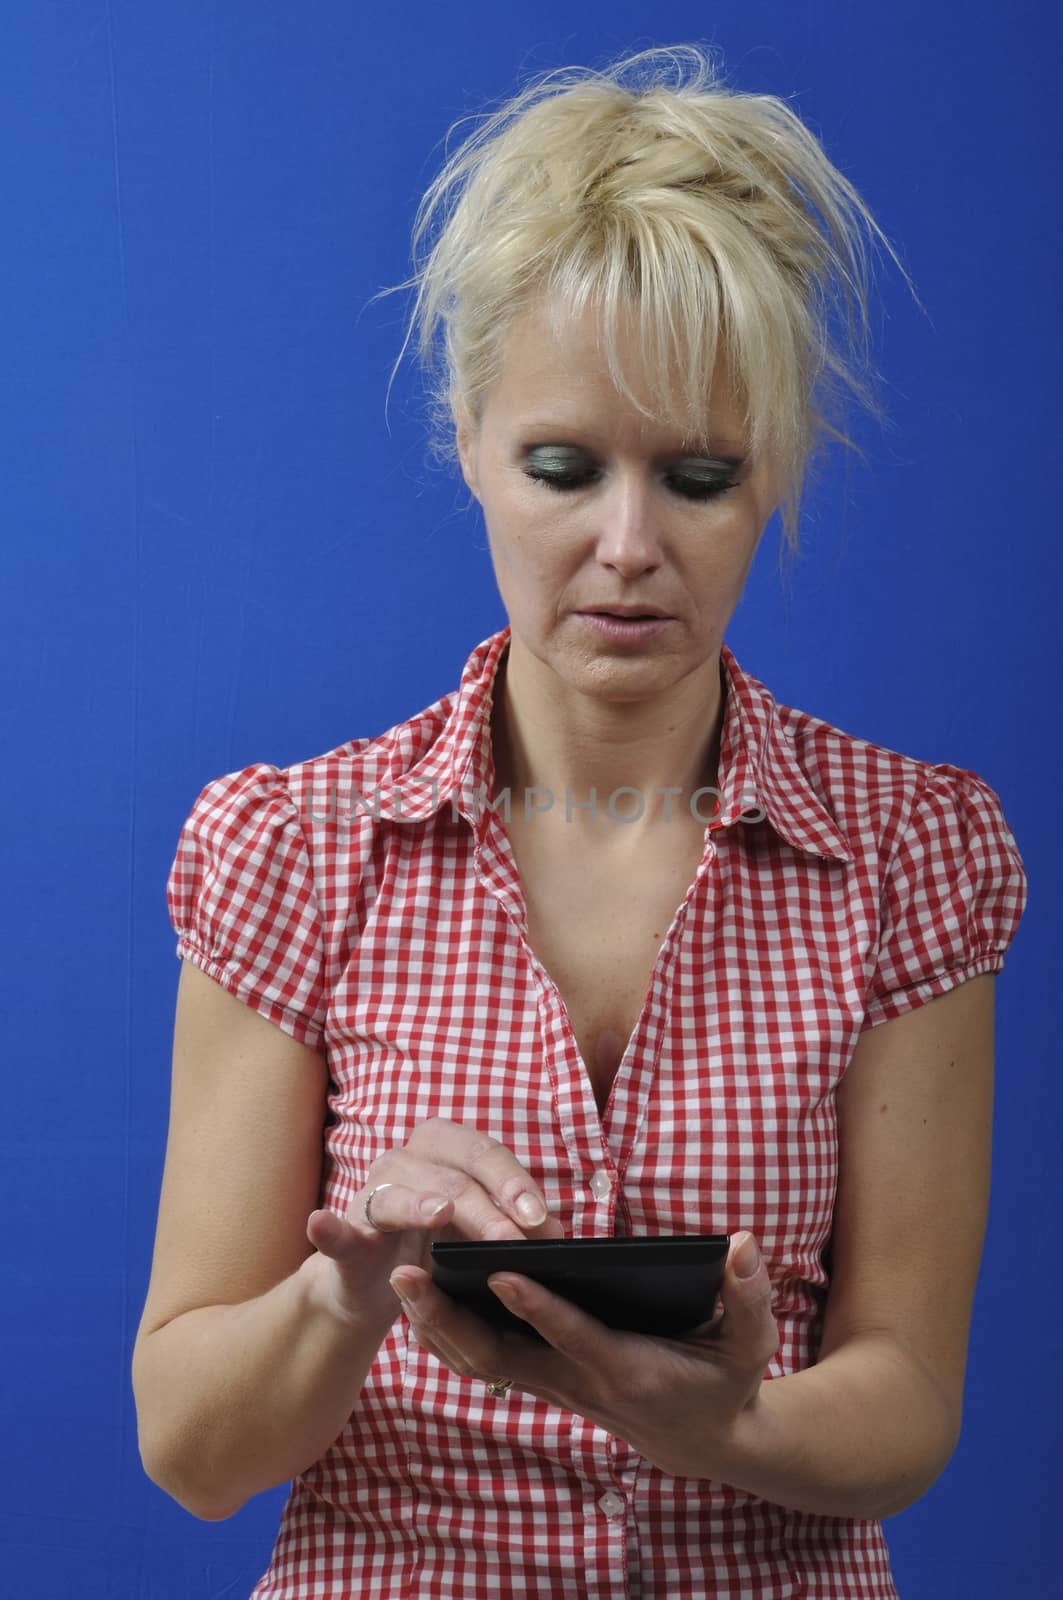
(625, 613)
(623, 628)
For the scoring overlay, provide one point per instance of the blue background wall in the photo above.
(217, 551)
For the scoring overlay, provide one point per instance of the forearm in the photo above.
(862, 1434)
(236, 1399)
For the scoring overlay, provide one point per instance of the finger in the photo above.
(432, 1340)
(395, 1209)
(458, 1336)
(476, 1213)
(570, 1331)
(494, 1170)
(745, 1274)
(472, 1215)
(474, 1348)
(747, 1299)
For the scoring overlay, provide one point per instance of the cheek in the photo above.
(527, 570)
(721, 565)
(531, 550)
(739, 532)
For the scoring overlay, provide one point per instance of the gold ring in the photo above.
(369, 1202)
(499, 1387)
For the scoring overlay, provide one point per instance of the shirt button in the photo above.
(601, 1184)
(611, 1504)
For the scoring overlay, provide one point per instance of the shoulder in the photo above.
(403, 773)
(263, 795)
(878, 796)
(936, 876)
(358, 781)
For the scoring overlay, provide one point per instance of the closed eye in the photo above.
(685, 488)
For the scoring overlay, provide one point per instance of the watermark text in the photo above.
(626, 804)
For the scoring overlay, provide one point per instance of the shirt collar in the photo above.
(759, 774)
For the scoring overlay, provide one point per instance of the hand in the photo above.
(669, 1398)
(448, 1180)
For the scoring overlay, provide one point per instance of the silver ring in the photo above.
(499, 1387)
(369, 1202)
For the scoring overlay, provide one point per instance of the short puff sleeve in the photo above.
(242, 900)
(953, 896)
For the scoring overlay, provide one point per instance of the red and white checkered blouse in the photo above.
(367, 902)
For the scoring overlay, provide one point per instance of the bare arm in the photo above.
(255, 1393)
(241, 1375)
(866, 1431)
(264, 1315)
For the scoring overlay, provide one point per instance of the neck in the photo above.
(564, 755)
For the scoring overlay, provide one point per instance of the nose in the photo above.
(630, 531)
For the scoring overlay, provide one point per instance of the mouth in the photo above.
(626, 614)
(624, 627)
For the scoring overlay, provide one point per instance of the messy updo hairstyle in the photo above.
(714, 213)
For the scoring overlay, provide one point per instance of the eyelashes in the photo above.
(686, 488)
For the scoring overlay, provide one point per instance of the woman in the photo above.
(606, 941)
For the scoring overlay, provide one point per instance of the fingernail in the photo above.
(747, 1257)
(431, 1208)
(532, 1211)
(406, 1291)
(505, 1292)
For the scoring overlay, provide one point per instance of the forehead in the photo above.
(555, 372)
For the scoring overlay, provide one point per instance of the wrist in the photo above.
(328, 1295)
(753, 1437)
(723, 1453)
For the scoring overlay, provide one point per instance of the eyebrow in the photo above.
(725, 449)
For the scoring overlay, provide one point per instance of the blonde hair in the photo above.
(715, 213)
